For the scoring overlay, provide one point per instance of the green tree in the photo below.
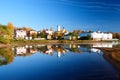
(88, 37)
(4, 34)
(41, 34)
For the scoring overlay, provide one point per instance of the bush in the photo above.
(3, 40)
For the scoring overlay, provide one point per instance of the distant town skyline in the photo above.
(70, 14)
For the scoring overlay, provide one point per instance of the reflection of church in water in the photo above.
(58, 49)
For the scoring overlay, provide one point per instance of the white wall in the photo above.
(97, 35)
(20, 34)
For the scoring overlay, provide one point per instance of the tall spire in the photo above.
(58, 27)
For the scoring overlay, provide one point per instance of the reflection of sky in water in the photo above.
(76, 63)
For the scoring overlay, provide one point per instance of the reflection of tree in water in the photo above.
(6, 56)
(42, 49)
(74, 50)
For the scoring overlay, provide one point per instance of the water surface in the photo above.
(56, 62)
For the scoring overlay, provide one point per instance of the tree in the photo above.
(88, 37)
(118, 35)
(41, 34)
(74, 34)
(10, 30)
(33, 35)
(4, 34)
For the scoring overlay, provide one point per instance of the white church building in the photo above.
(97, 36)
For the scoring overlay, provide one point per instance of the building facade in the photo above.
(20, 34)
(97, 36)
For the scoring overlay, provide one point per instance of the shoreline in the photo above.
(35, 42)
(112, 55)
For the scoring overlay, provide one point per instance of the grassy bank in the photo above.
(31, 42)
(55, 41)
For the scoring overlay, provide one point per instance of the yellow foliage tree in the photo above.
(11, 29)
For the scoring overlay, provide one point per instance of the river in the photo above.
(57, 62)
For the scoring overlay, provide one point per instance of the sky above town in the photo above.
(70, 14)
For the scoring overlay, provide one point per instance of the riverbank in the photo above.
(55, 41)
(5, 45)
(35, 42)
(112, 55)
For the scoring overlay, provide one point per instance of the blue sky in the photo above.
(71, 14)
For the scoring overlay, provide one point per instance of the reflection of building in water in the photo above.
(24, 51)
(46, 49)
(60, 49)
(64, 51)
(32, 50)
(58, 54)
(49, 46)
(68, 46)
(76, 48)
(50, 51)
(95, 50)
(108, 45)
(20, 50)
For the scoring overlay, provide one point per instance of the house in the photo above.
(101, 36)
(97, 36)
(49, 37)
(20, 34)
(49, 33)
(32, 34)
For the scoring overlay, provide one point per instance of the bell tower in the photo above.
(58, 27)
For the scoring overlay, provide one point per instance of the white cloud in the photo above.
(92, 5)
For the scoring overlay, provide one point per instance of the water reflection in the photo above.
(90, 56)
(6, 56)
(104, 45)
(24, 50)
(60, 49)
